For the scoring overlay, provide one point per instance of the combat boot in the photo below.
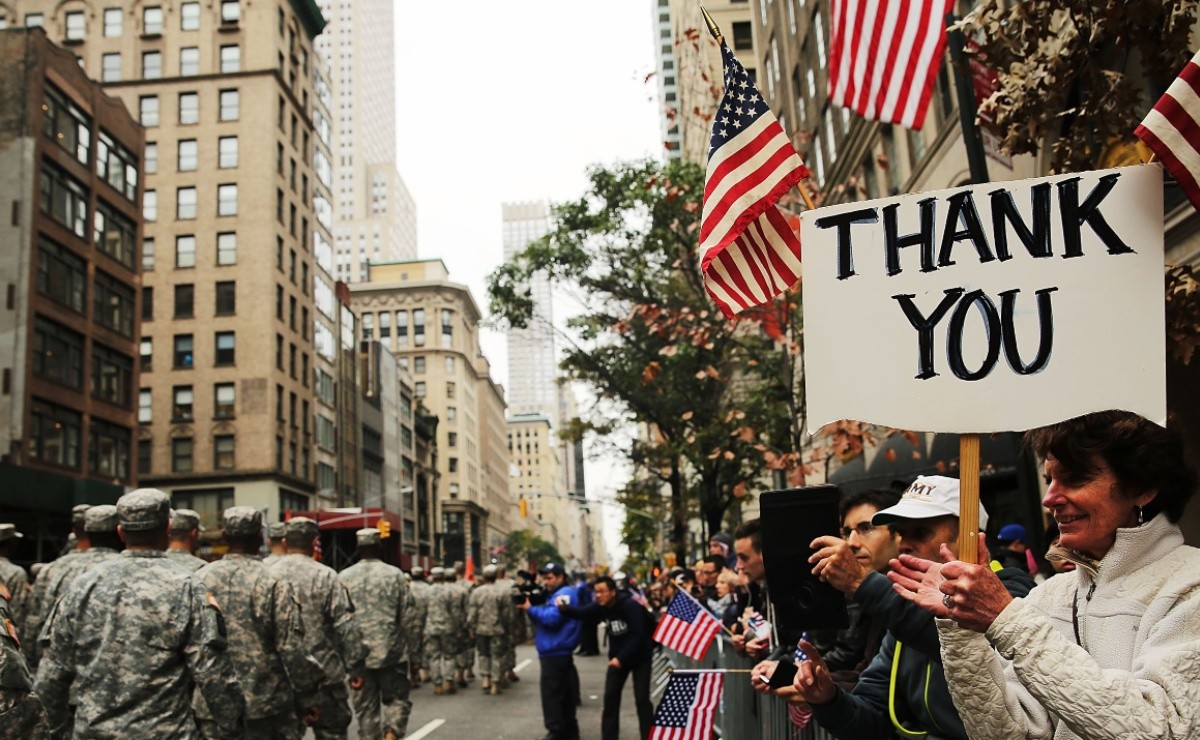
(425, 676)
(470, 672)
(458, 678)
(512, 676)
(438, 690)
(487, 682)
(495, 689)
(448, 688)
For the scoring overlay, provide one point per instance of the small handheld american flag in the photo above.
(688, 707)
(686, 627)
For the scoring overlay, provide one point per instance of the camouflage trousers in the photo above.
(439, 657)
(286, 726)
(492, 650)
(22, 715)
(465, 658)
(382, 703)
(334, 706)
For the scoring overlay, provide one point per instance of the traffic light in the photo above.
(384, 527)
(523, 505)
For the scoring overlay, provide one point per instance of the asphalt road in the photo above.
(517, 713)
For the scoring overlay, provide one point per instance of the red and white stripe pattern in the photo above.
(884, 55)
(1172, 130)
(751, 252)
(686, 627)
(688, 708)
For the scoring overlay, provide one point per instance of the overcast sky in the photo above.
(504, 102)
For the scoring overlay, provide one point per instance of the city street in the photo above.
(517, 713)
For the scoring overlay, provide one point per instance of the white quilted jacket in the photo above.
(1137, 674)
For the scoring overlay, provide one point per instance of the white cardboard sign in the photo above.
(987, 308)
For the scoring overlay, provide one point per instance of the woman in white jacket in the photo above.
(1109, 650)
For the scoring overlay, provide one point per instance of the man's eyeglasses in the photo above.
(863, 529)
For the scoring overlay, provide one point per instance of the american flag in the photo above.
(687, 627)
(1172, 130)
(884, 55)
(688, 707)
(751, 252)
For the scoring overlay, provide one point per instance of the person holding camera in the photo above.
(556, 635)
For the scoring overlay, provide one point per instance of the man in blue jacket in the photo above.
(628, 652)
(556, 635)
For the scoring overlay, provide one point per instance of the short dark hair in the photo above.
(1143, 456)
(607, 581)
(246, 542)
(111, 540)
(154, 538)
(751, 528)
(880, 498)
(716, 560)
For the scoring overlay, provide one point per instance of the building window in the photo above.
(67, 125)
(144, 450)
(230, 103)
(148, 254)
(189, 61)
(185, 251)
(57, 353)
(224, 400)
(447, 328)
(209, 503)
(453, 464)
(147, 355)
(148, 110)
(449, 363)
(110, 67)
(185, 204)
(152, 20)
(150, 205)
(189, 17)
(108, 449)
(226, 298)
(61, 276)
(189, 108)
(151, 65)
(117, 166)
(231, 11)
(419, 365)
(418, 327)
(227, 199)
(368, 326)
(115, 235)
(148, 303)
(151, 159)
(227, 148)
(227, 248)
(112, 375)
(189, 155)
(183, 403)
(402, 328)
(231, 59)
(185, 301)
(385, 325)
(181, 455)
(112, 22)
(451, 413)
(226, 345)
(419, 389)
(183, 358)
(112, 304)
(452, 439)
(279, 351)
(54, 434)
(145, 406)
(64, 199)
(223, 446)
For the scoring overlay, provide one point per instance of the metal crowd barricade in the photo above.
(743, 714)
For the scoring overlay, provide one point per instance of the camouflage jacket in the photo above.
(137, 632)
(14, 671)
(266, 635)
(380, 596)
(49, 587)
(186, 559)
(16, 580)
(333, 634)
(444, 612)
(490, 611)
(414, 617)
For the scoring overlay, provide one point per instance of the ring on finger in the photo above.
(948, 601)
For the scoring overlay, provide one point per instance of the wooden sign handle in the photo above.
(968, 502)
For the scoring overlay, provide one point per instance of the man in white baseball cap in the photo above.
(926, 516)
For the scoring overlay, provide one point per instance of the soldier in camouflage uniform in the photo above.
(516, 631)
(138, 632)
(21, 712)
(333, 635)
(266, 636)
(489, 616)
(381, 600)
(443, 620)
(464, 654)
(276, 534)
(14, 578)
(414, 625)
(102, 543)
(185, 538)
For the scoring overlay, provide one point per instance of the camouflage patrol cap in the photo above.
(77, 514)
(301, 528)
(185, 520)
(239, 521)
(437, 571)
(144, 510)
(489, 571)
(9, 532)
(417, 570)
(277, 530)
(368, 536)
(102, 518)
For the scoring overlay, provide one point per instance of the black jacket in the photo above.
(628, 627)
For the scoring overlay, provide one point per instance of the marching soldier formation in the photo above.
(130, 634)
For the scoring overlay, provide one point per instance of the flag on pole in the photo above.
(1172, 130)
(688, 707)
(686, 627)
(883, 56)
(751, 252)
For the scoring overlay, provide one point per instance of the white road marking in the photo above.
(521, 665)
(428, 728)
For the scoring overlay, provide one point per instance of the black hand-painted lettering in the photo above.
(954, 336)
(1076, 214)
(1036, 239)
(843, 222)
(924, 327)
(1008, 299)
(962, 208)
(893, 242)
